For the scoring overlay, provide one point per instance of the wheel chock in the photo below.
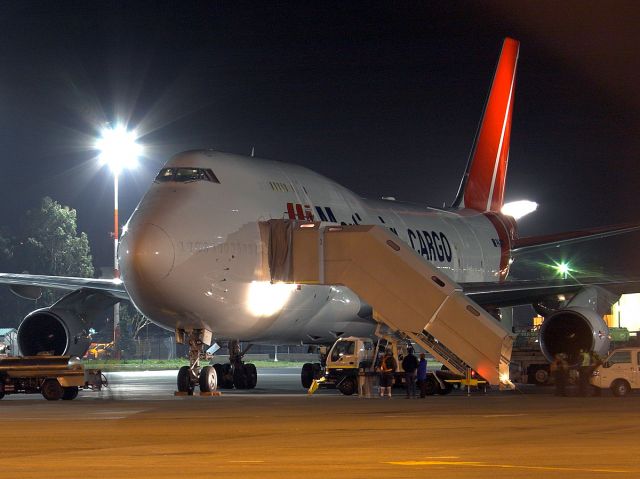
(182, 393)
(211, 393)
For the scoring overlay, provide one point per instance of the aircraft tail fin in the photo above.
(482, 187)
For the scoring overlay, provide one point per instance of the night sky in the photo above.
(382, 97)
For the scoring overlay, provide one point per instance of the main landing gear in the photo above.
(236, 373)
(188, 376)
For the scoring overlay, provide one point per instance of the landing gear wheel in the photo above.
(431, 386)
(184, 380)
(227, 375)
(208, 379)
(347, 386)
(239, 378)
(620, 388)
(221, 377)
(252, 375)
(307, 375)
(51, 390)
(70, 393)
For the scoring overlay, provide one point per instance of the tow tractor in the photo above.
(55, 377)
(351, 355)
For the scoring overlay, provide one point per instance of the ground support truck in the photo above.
(55, 377)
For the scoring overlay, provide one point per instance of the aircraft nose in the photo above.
(146, 253)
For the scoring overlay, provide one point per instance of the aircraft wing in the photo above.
(113, 286)
(518, 292)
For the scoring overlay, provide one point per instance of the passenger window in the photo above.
(621, 357)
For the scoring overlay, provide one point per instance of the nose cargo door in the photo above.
(407, 293)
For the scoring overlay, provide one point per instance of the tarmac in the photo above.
(138, 428)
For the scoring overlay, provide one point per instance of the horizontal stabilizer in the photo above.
(539, 243)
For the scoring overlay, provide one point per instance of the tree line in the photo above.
(47, 242)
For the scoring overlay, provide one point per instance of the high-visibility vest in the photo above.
(586, 359)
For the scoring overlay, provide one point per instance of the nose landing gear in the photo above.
(189, 376)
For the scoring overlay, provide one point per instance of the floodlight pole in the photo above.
(116, 272)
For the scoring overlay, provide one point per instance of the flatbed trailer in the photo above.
(55, 377)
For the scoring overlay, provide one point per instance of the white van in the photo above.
(619, 372)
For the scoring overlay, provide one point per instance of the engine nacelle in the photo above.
(53, 331)
(572, 329)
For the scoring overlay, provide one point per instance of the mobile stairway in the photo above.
(408, 295)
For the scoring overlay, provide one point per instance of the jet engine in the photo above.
(572, 329)
(53, 331)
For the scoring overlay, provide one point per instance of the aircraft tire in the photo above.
(222, 383)
(208, 379)
(184, 380)
(239, 378)
(252, 375)
(306, 375)
(225, 379)
(317, 370)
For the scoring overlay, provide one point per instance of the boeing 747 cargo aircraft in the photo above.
(193, 257)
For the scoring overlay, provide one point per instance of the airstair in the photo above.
(408, 295)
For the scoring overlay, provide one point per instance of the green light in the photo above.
(562, 269)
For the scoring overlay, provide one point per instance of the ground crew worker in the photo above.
(422, 375)
(387, 367)
(410, 364)
(585, 372)
(560, 371)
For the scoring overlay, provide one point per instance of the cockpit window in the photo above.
(184, 175)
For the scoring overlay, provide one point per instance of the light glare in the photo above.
(266, 299)
(118, 149)
(518, 209)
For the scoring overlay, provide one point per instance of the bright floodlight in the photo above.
(118, 149)
(563, 268)
(518, 209)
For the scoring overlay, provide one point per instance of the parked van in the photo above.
(620, 372)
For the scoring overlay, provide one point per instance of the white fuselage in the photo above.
(192, 256)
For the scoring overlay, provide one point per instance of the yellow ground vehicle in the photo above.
(55, 377)
(99, 351)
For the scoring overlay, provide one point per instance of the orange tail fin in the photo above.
(482, 187)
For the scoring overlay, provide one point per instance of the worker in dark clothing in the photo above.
(388, 366)
(422, 375)
(410, 365)
(560, 371)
